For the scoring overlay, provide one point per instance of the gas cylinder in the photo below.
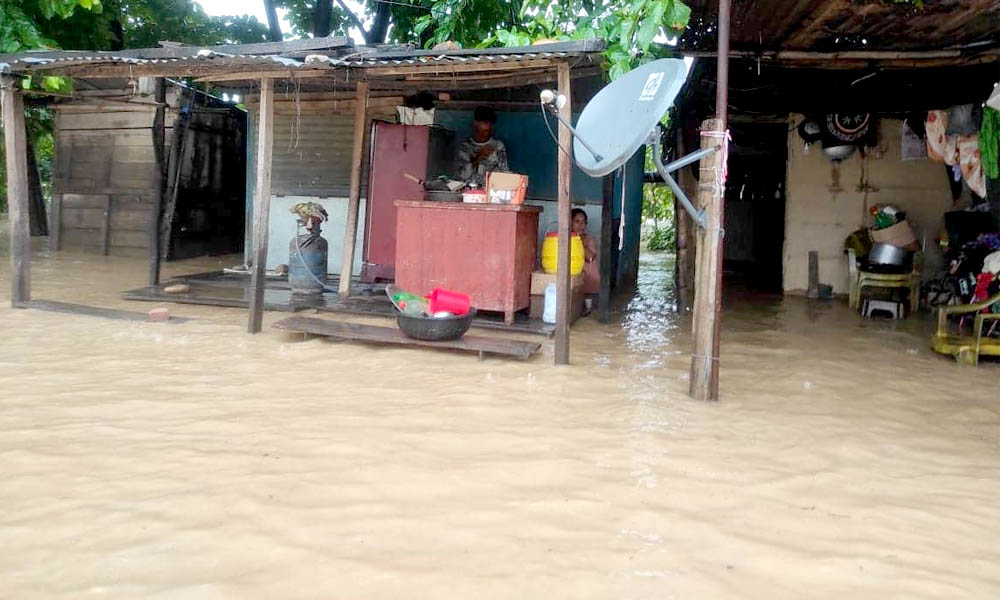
(307, 263)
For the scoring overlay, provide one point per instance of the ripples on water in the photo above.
(194, 461)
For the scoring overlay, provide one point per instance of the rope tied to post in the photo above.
(720, 175)
(708, 360)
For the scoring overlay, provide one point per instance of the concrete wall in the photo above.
(818, 219)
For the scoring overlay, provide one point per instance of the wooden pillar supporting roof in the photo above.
(17, 189)
(354, 199)
(563, 287)
(704, 379)
(262, 204)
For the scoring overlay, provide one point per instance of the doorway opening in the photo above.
(755, 207)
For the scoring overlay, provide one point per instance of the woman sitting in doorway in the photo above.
(591, 273)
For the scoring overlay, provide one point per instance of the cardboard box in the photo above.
(575, 309)
(506, 188)
(541, 280)
(900, 234)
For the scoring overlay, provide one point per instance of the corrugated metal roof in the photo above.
(351, 58)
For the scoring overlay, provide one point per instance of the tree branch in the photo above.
(273, 25)
(354, 18)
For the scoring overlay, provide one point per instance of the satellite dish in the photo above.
(624, 116)
(619, 119)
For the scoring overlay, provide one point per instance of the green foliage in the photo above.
(146, 22)
(658, 206)
(22, 21)
(661, 238)
(469, 22)
(989, 142)
(628, 26)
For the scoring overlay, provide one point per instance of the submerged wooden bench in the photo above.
(390, 335)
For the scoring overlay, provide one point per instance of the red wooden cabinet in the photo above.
(484, 250)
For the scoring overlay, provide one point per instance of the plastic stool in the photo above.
(893, 308)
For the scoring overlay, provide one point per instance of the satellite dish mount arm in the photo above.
(666, 170)
(555, 112)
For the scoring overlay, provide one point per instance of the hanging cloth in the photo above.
(940, 146)
(972, 164)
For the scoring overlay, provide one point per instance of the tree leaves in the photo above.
(679, 16)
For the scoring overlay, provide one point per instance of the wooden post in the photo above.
(158, 135)
(39, 224)
(684, 228)
(17, 189)
(563, 290)
(707, 297)
(354, 200)
(607, 207)
(704, 383)
(262, 204)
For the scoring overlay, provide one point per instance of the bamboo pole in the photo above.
(262, 204)
(17, 190)
(563, 288)
(354, 200)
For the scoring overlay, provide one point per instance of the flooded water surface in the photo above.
(142, 460)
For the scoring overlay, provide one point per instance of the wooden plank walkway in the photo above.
(92, 311)
(391, 335)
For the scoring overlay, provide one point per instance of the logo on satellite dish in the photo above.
(652, 86)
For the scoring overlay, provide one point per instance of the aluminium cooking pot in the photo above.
(887, 254)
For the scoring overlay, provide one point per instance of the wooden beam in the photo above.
(354, 198)
(607, 207)
(270, 74)
(448, 68)
(158, 135)
(262, 204)
(17, 189)
(684, 226)
(854, 58)
(563, 291)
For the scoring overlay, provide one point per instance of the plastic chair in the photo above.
(858, 280)
(967, 348)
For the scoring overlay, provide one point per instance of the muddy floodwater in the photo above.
(142, 460)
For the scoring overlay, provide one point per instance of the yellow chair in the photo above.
(967, 348)
(858, 279)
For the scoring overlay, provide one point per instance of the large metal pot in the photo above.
(435, 329)
(839, 153)
(887, 254)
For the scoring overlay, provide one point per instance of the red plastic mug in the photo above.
(454, 302)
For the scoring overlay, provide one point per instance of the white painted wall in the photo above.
(281, 228)
(818, 219)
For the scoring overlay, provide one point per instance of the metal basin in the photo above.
(434, 329)
(887, 254)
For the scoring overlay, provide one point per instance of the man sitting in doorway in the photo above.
(481, 153)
